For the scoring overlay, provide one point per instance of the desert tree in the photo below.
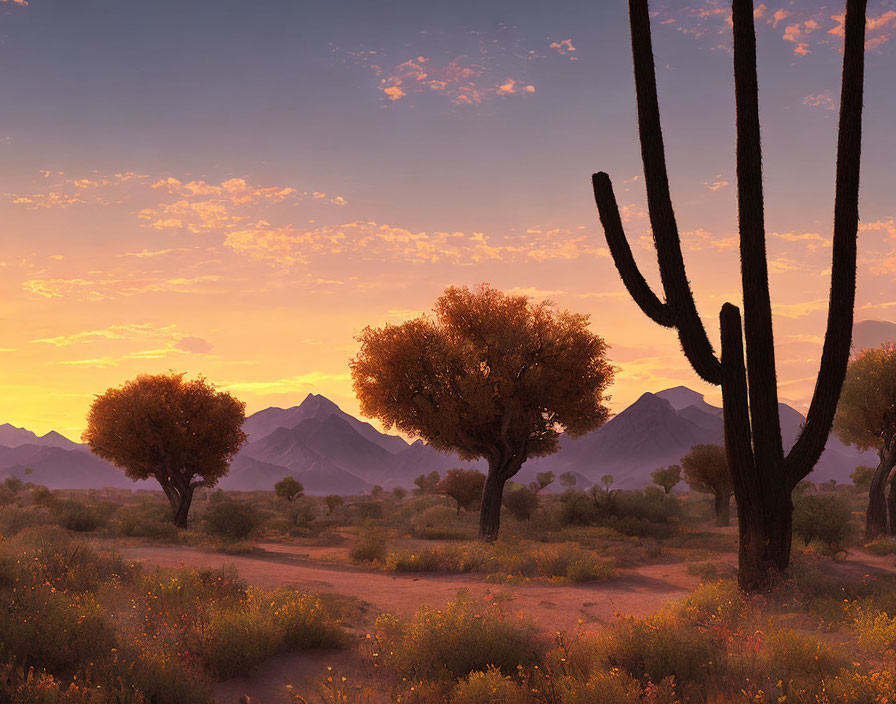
(521, 501)
(333, 501)
(426, 484)
(763, 476)
(399, 492)
(462, 485)
(542, 481)
(488, 375)
(706, 470)
(289, 488)
(568, 479)
(866, 418)
(667, 477)
(182, 433)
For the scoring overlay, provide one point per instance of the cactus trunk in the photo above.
(762, 476)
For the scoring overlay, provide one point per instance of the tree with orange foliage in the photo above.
(490, 376)
(182, 433)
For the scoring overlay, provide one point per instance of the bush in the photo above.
(658, 647)
(231, 521)
(488, 687)
(370, 545)
(438, 523)
(521, 503)
(146, 520)
(822, 517)
(238, 638)
(76, 516)
(453, 642)
(370, 510)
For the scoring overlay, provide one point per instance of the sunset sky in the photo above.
(238, 188)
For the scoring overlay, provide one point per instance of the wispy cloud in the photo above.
(564, 48)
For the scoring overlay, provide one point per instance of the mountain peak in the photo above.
(681, 397)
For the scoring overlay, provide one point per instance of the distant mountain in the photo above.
(329, 451)
(11, 436)
(316, 407)
(57, 468)
(872, 333)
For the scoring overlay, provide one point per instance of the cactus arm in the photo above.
(734, 406)
(760, 348)
(838, 335)
(639, 289)
(679, 297)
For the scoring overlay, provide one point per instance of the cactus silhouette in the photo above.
(762, 475)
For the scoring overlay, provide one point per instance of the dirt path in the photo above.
(553, 606)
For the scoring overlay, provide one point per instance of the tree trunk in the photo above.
(490, 511)
(765, 537)
(183, 508)
(891, 505)
(876, 516)
(180, 501)
(723, 509)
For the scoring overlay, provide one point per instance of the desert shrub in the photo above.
(41, 495)
(577, 565)
(48, 629)
(822, 517)
(76, 516)
(50, 556)
(370, 545)
(521, 503)
(875, 630)
(289, 488)
(578, 509)
(658, 647)
(302, 514)
(463, 637)
(438, 523)
(238, 638)
(230, 520)
(650, 504)
(639, 527)
(613, 687)
(882, 546)
(369, 510)
(146, 520)
(850, 687)
(14, 519)
(488, 687)
(798, 661)
(714, 606)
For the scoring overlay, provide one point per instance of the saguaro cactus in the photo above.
(762, 475)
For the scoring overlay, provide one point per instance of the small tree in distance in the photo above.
(289, 488)
(706, 470)
(462, 485)
(181, 433)
(866, 418)
(521, 503)
(542, 481)
(667, 478)
(568, 479)
(490, 376)
(426, 484)
(333, 501)
(399, 492)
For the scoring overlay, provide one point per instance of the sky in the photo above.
(238, 188)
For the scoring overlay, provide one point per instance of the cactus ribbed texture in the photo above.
(763, 477)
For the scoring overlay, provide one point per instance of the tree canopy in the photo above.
(183, 433)
(866, 418)
(463, 485)
(706, 470)
(487, 375)
(667, 478)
